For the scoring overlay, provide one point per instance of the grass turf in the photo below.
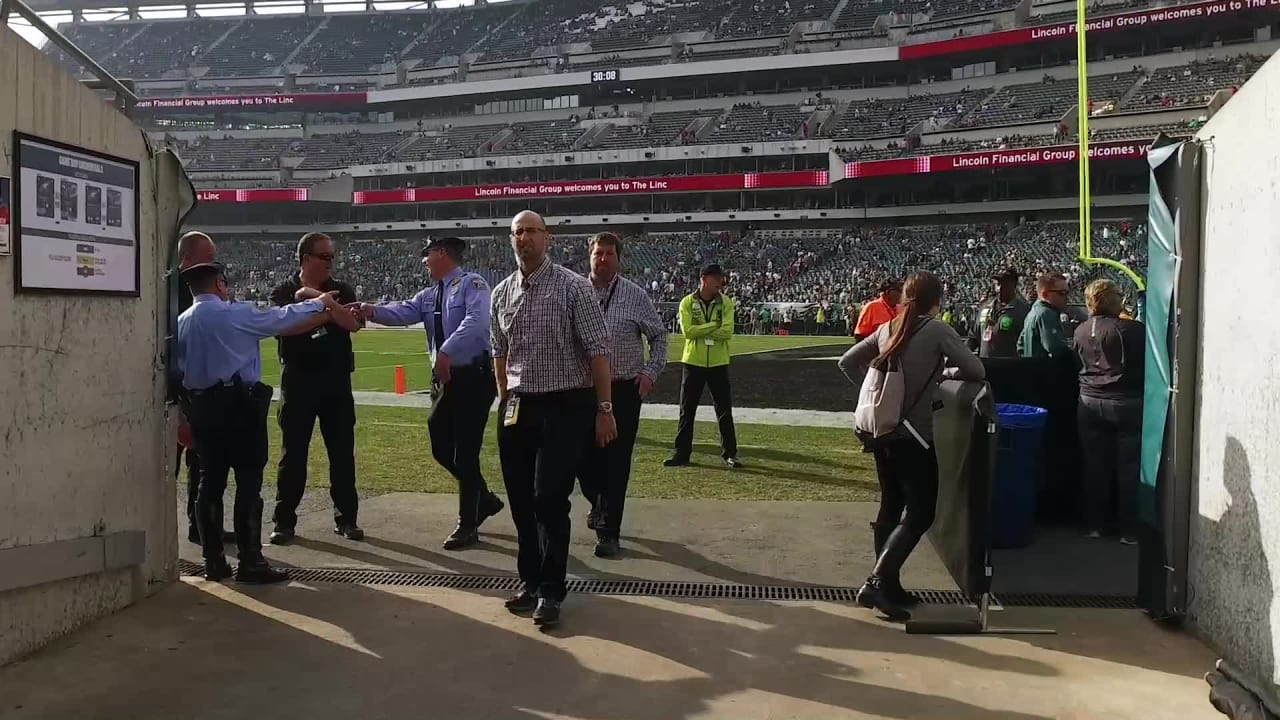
(378, 352)
(782, 463)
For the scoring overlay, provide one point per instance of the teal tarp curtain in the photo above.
(1162, 273)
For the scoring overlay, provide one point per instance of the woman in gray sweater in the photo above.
(906, 464)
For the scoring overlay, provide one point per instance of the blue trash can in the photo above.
(1013, 495)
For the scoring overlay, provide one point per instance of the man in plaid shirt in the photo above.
(633, 321)
(550, 347)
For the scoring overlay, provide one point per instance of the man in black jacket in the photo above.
(315, 382)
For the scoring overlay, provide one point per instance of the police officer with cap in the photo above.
(221, 366)
(455, 310)
(1001, 317)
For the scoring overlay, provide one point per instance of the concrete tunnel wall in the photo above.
(87, 496)
(1235, 519)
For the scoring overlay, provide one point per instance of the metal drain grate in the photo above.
(692, 590)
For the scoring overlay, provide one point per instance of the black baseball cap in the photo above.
(713, 269)
(1007, 274)
(454, 243)
(888, 285)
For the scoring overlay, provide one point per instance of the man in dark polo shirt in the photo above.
(315, 382)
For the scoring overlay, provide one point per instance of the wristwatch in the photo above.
(605, 408)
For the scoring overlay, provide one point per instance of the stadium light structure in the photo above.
(125, 97)
(1082, 131)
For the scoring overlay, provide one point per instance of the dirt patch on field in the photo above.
(801, 378)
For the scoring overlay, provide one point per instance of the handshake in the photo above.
(359, 310)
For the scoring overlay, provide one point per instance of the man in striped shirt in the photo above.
(550, 347)
(633, 321)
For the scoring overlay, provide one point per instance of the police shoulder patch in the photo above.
(478, 283)
(1006, 323)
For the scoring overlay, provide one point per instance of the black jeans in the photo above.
(539, 455)
(304, 397)
(908, 475)
(459, 412)
(605, 471)
(1111, 437)
(229, 425)
(692, 380)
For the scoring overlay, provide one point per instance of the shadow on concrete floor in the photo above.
(203, 650)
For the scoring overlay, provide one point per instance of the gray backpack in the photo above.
(882, 406)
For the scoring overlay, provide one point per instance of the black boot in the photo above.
(258, 572)
(872, 595)
(217, 569)
(461, 537)
(209, 528)
(892, 588)
(489, 506)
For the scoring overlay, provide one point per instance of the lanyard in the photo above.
(604, 304)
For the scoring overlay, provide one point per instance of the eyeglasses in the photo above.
(322, 256)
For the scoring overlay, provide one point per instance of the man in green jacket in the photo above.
(706, 321)
(1042, 334)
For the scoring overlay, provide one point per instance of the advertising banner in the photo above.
(1014, 157)
(577, 188)
(1139, 19)
(254, 195)
(255, 102)
(5, 247)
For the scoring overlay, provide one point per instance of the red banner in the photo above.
(1139, 19)
(576, 188)
(254, 195)
(994, 159)
(256, 102)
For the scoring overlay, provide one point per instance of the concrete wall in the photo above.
(1235, 527)
(87, 506)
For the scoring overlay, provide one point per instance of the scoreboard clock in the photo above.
(604, 76)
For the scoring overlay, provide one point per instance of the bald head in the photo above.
(195, 248)
(529, 239)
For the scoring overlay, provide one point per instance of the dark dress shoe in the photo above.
(522, 602)
(281, 536)
(873, 596)
(675, 461)
(607, 547)
(489, 508)
(547, 614)
(460, 538)
(350, 532)
(258, 572)
(216, 570)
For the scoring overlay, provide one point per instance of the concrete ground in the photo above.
(757, 543)
(212, 651)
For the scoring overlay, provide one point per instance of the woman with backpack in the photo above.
(898, 368)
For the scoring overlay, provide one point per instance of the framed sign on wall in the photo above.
(75, 219)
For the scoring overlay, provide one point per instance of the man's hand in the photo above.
(362, 310)
(644, 384)
(606, 429)
(331, 301)
(441, 370)
(307, 293)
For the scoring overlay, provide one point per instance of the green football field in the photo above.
(393, 452)
(378, 352)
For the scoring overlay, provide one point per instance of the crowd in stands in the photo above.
(342, 43)
(790, 272)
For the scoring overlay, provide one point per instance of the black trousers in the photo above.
(229, 426)
(908, 475)
(692, 380)
(459, 413)
(1111, 437)
(305, 397)
(605, 472)
(540, 453)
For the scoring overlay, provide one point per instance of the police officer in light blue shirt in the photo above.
(455, 313)
(221, 367)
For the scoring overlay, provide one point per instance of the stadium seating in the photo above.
(230, 153)
(1046, 100)
(866, 119)
(755, 122)
(1193, 84)
(259, 45)
(359, 43)
(456, 31)
(340, 150)
(541, 137)
(658, 130)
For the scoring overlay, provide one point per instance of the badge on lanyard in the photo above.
(319, 333)
(512, 413)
